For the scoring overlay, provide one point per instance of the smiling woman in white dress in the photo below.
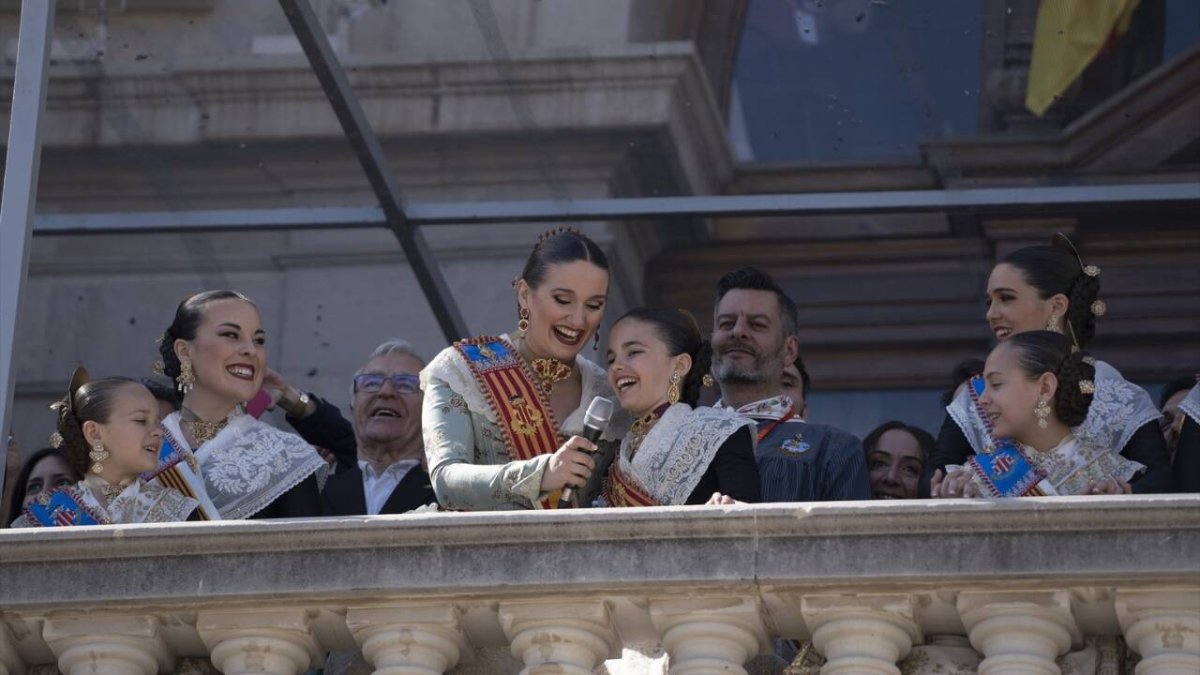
(502, 415)
(235, 465)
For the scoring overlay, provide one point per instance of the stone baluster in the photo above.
(274, 642)
(409, 639)
(861, 633)
(10, 660)
(114, 645)
(572, 638)
(709, 635)
(1163, 625)
(1019, 632)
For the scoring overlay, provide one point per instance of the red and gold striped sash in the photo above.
(621, 490)
(520, 406)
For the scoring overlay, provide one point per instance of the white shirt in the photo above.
(378, 487)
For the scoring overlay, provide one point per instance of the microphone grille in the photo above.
(600, 409)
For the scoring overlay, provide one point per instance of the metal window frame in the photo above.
(18, 222)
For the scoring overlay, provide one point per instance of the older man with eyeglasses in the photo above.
(384, 436)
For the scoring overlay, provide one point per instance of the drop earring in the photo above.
(1042, 411)
(1052, 323)
(186, 379)
(673, 390)
(522, 322)
(98, 455)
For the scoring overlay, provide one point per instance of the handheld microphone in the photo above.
(594, 421)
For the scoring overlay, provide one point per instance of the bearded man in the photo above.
(753, 338)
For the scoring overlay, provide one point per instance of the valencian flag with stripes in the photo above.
(1068, 36)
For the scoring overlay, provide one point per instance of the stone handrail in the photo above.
(427, 593)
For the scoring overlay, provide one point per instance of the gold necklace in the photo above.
(642, 426)
(550, 372)
(109, 490)
(200, 430)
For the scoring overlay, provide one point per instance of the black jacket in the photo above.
(343, 494)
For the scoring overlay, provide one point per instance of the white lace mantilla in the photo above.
(141, 502)
(676, 453)
(144, 502)
(450, 367)
(1119, 408)
(1190, 405)
(250, 464)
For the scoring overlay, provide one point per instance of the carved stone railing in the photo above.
(712, 586)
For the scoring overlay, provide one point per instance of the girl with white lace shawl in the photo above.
(676, 453)
(235, 465)
(1049, 288)
(1037, 391)
(109, 430)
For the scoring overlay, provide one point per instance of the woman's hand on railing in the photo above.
(571, 464)
(954, 485)
(718, 499)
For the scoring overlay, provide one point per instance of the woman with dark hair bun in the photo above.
(503, 415)
(236, 466)
(1049, 288)
(675, 453)
(1038, 390)
(109, 432)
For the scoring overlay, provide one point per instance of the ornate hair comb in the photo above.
(563, 229)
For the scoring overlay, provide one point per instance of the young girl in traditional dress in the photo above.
(110, 431)
(1050, 288)
(676, 453)
(1037, 390)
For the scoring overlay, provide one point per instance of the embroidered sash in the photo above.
(621, 490)
(521, 409)
(179, 470)
(62, 508)
(1002, 467)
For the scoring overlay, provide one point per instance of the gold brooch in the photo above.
(550, 372)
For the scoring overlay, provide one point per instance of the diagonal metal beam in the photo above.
(374, 162)
(20, 188)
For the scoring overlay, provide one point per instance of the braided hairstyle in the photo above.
(1043, 351)
(1055, 270)
(680, 332)
(188, 316)
(90, 402)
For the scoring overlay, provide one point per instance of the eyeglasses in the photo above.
(403, 383)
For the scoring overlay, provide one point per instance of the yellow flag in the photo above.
(1068, 36)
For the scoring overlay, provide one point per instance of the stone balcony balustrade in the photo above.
(578, 592)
